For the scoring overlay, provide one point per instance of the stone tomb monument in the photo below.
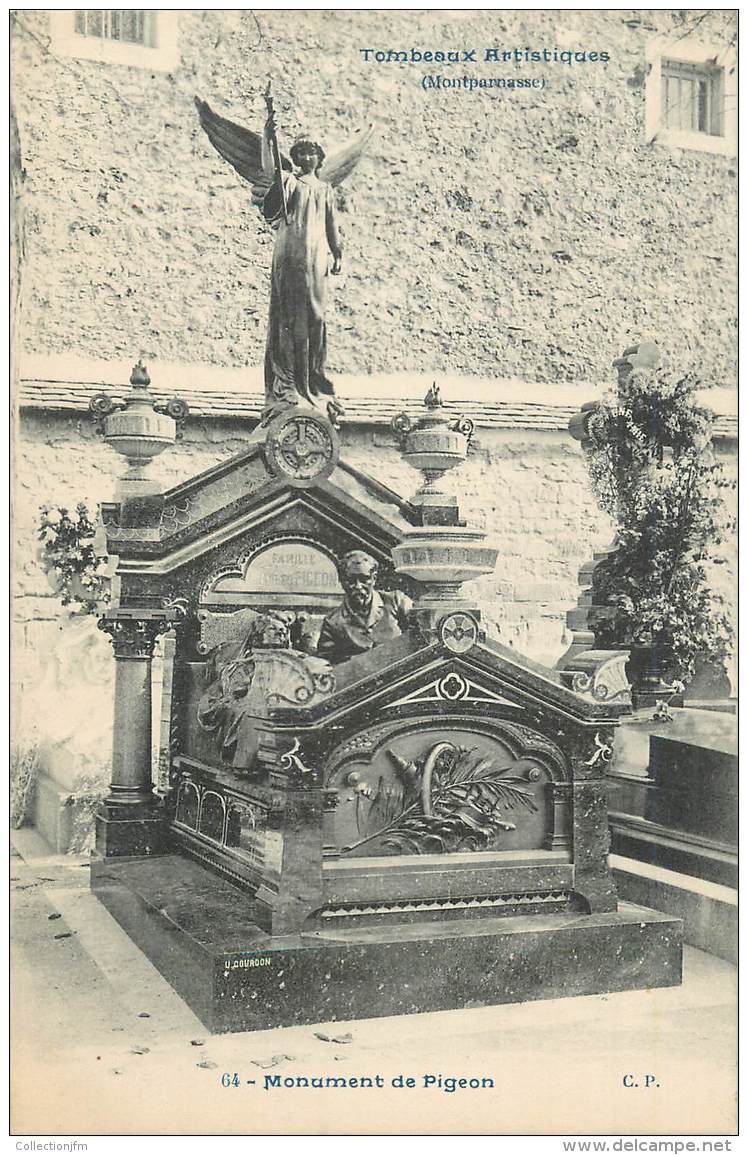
(412, 818)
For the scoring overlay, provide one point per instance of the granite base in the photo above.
(677, 808)
(124, 830)
(199, 931)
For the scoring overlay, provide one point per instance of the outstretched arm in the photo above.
(274, 203)
(241, 148)
(268, 166)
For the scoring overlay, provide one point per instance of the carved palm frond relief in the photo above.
(449, 800)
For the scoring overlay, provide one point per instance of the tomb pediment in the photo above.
(180, 545)
(410, 672)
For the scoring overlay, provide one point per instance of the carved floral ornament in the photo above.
(602, 752)
(437, 787)
(606, 683)
(303, 686)
(524, 742)
(292, 762)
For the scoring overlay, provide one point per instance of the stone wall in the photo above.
(528, 490)
(498, 233)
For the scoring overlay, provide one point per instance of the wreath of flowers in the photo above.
(69, 556)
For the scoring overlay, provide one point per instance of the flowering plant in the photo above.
(652, 469)
(80, 575)
(631, 432)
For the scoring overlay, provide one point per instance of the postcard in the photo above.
(374, 404)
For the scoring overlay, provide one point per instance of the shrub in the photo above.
(69, 557)
(653, 471)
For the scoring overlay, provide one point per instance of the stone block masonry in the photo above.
(502, 485)
(526, 234)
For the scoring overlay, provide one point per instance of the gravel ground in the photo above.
(102, 1044)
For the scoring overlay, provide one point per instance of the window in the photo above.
(133, 37)
(691, 96)
(130, 25)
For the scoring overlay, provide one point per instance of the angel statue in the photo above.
(299, 204)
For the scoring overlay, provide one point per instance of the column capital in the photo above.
(134, 637)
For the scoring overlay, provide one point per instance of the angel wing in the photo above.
(341, 164)
(241, 147)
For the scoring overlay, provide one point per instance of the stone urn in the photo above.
(434, 445)
(441, 559)
(441, 552)
(648, 670)
(139, 429)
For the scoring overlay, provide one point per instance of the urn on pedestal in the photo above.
(442, 552)
(139, 429)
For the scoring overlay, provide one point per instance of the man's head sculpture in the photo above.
(644, 356)
(358, 574)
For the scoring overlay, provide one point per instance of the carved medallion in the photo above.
(453, 688)
(459, 632)
(301, 447)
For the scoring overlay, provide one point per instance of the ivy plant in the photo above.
(80, 575)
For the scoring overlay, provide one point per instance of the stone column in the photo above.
(559, 833)
(129, 821)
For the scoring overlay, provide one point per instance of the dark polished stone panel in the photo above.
(188, 805)
(245, 831)
(199, 931)
(212, 816)
(697, 787)
(683, 815)
(127, 830)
